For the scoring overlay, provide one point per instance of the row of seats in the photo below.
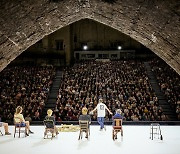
(83, 126)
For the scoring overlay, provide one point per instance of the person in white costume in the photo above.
(101, 113)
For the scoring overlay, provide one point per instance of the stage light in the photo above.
(119, 47)
(85, 47)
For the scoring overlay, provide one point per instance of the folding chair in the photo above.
(49, 129)
(117, 128)
(19, 129)
(84, 127)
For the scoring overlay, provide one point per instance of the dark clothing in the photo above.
(49, 124)
(50, 118)
(85, 117)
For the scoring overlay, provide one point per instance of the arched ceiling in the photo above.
(154, 23)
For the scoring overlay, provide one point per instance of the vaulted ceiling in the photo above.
(154, 23)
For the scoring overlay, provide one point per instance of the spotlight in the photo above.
(85, 47)
(119, 47)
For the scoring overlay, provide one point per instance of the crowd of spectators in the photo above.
(121, 84)
(27, 87)
(169, 81)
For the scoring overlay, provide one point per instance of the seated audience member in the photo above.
(5, 125)
(28, 118)
(50, 117)
(117, 115)
(19, 118)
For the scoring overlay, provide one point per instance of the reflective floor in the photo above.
(136, 140)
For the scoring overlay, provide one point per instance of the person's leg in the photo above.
(28, 127)
(56, 130)
(6, 129)
(100, 121)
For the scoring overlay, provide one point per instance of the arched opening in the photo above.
(133, 19)
(63, 46)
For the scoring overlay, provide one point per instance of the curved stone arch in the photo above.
(34, 21)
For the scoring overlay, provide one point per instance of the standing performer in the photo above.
(101, 113)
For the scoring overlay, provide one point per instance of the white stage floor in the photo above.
(136, 140)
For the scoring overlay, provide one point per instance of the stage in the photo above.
(136, 140)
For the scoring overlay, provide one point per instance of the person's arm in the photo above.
(80, 118)
(22, 118)
(54, 120)
(108, 110)
(19, 118)
(94, 109)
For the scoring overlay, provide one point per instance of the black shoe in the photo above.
(57, 133)
(27, 134)
(7, 133)
(30, 132)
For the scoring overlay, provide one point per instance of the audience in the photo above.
(169, 82)
(121, 84)
(25, 86)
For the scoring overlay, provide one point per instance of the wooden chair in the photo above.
(84, 127)
(49, 129)
(19, 129)
(117, 128)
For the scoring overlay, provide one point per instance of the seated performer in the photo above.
(5, 125)
(50, 117)
(85, 117)
(117, 115)
(19, 118)
(117, 126)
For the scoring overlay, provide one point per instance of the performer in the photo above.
(5, 127)
(85, 117)
(118, 116)
(101, 108)
(50, 117)
(19, 118)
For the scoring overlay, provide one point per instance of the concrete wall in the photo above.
(154, 23)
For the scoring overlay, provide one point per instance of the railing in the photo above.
(110, 122)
